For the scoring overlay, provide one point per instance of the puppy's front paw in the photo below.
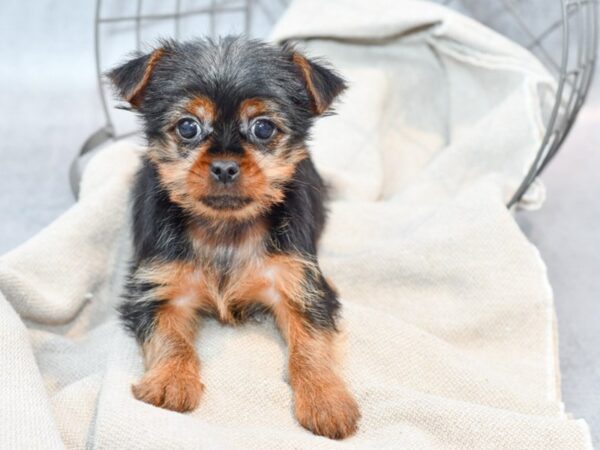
(326, 409)
(166, 388)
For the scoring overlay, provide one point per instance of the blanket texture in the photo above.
(448, 318)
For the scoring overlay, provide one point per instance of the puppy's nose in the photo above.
(224, 171)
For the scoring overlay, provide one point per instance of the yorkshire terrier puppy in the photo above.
(227, 211)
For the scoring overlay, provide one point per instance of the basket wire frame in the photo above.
(572, 65)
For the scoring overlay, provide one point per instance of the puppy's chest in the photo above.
(232, 281)
(225, 260)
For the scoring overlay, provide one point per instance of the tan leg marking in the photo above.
(322, 402)
(172, 378)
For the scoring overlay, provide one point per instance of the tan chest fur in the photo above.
(228, 280)
(232, 280)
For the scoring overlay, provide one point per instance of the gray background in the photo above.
(49, 106)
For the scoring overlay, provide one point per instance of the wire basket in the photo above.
(565, 40)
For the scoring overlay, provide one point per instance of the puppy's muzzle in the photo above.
(225, 172)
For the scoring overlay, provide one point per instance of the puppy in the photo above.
(227, 212)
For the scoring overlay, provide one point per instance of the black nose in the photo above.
(224, 171)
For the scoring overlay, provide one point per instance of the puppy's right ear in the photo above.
(130, 79)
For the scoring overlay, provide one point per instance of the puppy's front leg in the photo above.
(305, 315)
(172, 378)
(165, 324)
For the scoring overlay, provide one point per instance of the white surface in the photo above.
(566, 232)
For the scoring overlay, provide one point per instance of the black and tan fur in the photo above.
(203, 247)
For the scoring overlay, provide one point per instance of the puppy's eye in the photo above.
(188, 129)
(263, 129)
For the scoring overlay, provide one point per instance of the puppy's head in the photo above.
(226, 121)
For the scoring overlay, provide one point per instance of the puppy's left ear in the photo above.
(130, 79)
(322, 84)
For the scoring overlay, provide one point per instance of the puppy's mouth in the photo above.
(226, 202)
